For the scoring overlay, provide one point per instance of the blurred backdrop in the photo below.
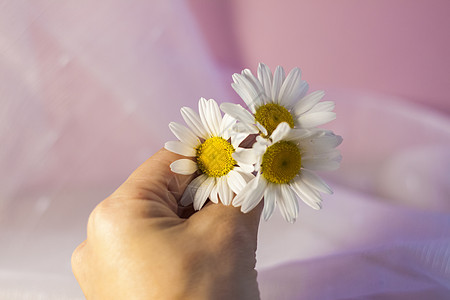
(87, 89)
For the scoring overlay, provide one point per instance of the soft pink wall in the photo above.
(394, 47)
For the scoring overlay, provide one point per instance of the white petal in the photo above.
(307, 102)
(261, 145)
(282, 203)
(315, 181)
(183, 166)
(237, 138)
(293, 88)
(191, 190)
(328, 140)
(290, 201)
(315, 119)
(261, 128)
(320, 165)
(330, 155)
(245, 95)
(307, 195)
(269, 202)
(265, 77)
(225, 193)
(319, 132)
(297, 94)
(262, 141)
(214, 195)
(207, 117)
(226, 126)
(184, 134)
(297, 134)
(254, 82)
(246, 175)
(278, 79)
(253, 95)
(259, 148)
(235, 181)
(245, 156)
(280, 132)
(254, 197)
(245, 192)
(238, 112)
(323, 106)
(245, 128)
(214, 117)
(339, 140)
(322, 144)
(247, 168)
(203, 192)
(180, 148)
(194, 122)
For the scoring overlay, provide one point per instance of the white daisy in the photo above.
(207, 141)
(275, 99)
(284, 165)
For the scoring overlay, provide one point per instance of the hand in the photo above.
(139, 246)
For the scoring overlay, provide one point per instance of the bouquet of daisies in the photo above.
(286, 148)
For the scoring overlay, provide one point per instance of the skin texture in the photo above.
(142, 245)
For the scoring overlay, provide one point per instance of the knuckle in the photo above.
(78, 258)
(95, 217)
(101, 218)
(110, 220)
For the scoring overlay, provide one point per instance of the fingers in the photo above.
(154, 181)
(77, 261)
(186, 211)
(218, 215)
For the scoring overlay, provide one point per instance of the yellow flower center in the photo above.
(214, 157)
(281, 162)
(271, 114)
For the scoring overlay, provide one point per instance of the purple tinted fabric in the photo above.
(87, 89)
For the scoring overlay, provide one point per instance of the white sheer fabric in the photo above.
(87, 89)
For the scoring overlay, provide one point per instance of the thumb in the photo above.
(155, 183)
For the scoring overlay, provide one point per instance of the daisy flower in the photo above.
(284, 165)
(273, 99)
(207, 141)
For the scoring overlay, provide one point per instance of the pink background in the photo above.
(399, 48)
(87, 89)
